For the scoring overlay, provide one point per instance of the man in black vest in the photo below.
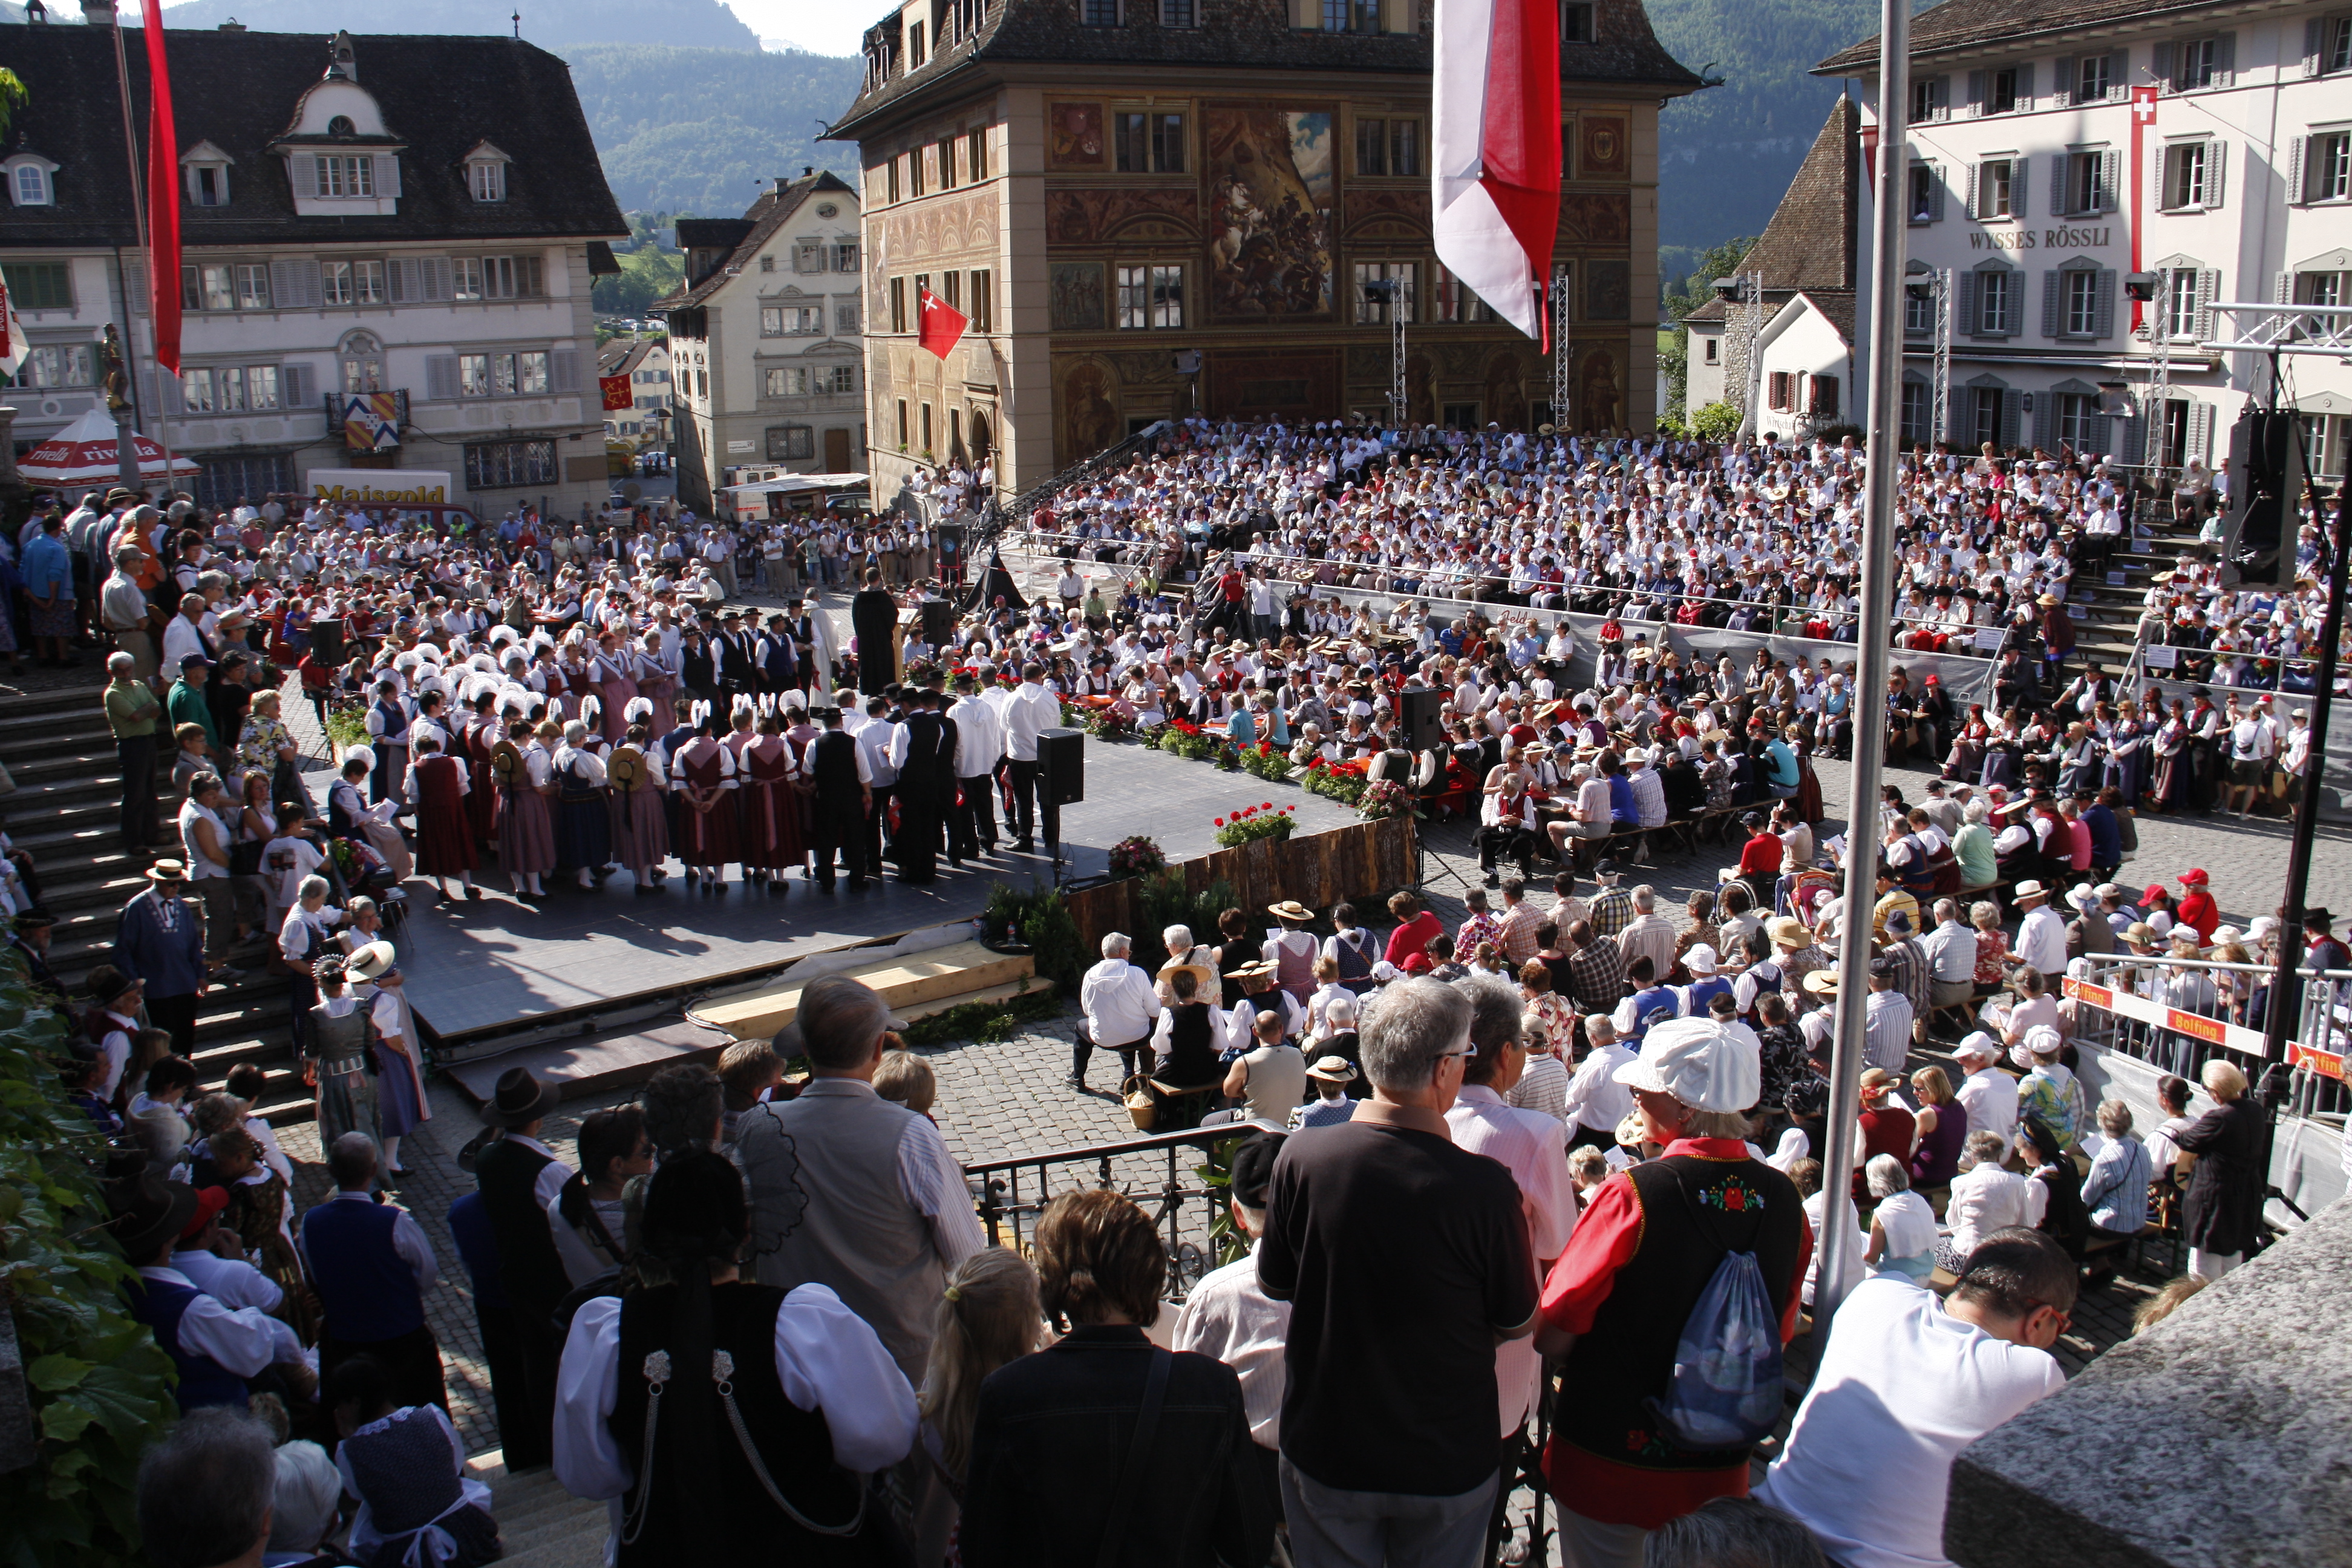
(1644, 1251)
(802, 628)
(519, 1178)
(845, 795)
(737, 667)
(778, 657)
(925, 753)
(874, 617)
(698, 671)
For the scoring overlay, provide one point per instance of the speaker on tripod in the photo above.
(1417, 707)
(2266, 473)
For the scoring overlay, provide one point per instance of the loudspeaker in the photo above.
(1418, 706)
(2266, 479)
(1062, 766)
(950, 538)
(939, 622)
(327, 641)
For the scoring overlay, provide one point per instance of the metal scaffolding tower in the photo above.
(2155, 405)
(1562, 387)
(1940, 415)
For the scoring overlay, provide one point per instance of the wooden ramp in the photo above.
(915, 984)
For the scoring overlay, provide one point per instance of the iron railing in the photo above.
(1154, 1170)
(2122, 1004)
(1145, 441)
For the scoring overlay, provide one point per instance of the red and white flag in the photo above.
(162, 196)
(12, 346)
(2142, 116)
(938, 326)
(1496, 161)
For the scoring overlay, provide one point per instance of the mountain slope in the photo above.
(1726, 154)
(558, 25)
(700, 130)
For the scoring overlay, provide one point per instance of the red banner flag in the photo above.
(940, 325)
(162, 197)
(2143, 115)
(615, 389)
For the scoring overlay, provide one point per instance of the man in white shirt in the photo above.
(2042, 934)
(1228, 1314)
(1987, 1094)
(227, 1345)
(1528, 1144)
(1649, 935)
(1121, 1009)
(1029, 712)
(1907, 1382)
(1596, 1101)
(979, 744)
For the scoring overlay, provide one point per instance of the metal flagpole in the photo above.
(1875, 657)
(126, 449)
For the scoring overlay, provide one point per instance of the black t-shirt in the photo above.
(1402, 1255)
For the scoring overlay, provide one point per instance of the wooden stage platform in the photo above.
(477, 972)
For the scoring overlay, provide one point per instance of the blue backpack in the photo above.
(1727, 1387)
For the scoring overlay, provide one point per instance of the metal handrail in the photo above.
(1001, 1205)
(2323, 1031)
(1146, 439)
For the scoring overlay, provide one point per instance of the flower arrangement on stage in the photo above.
(1342, 781)
(1265, 762)
(923, 671)
(1384, 798)
(1182, 737)
(1137, 855)
(1253, 821)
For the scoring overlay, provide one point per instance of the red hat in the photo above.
(2193, 878)
(2156, 891)
(210, 1201)
(1417, 964)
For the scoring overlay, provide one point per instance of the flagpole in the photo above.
(1875, 658)
(126, 448)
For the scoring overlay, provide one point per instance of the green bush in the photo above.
(1041, 919)
(100, 1388)
(983, 1020)
(1716, 422)
(1167, 902)
(347, 727)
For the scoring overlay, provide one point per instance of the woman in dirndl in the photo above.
(437, 788)
(614, 671)
(583, 825)
(641, 836)
(526, 775)
(657, 678)
(769, 778)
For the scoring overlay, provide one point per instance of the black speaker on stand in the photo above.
(327, 641)
(950, 562)
(1061, 780)
(1417, 708)
(2266, 483)
(938, 624)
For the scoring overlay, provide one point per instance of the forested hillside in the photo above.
(552, 24)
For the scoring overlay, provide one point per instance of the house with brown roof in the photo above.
(1787, 355)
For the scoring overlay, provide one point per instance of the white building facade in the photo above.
(2026, 203)
(767, 339)
(645, 361)
(371, 278)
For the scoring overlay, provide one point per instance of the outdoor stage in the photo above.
(496, 967)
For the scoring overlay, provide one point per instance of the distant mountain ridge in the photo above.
(558, 25)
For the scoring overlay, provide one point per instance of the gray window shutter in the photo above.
(303, 170)
(1935, 194)
(2018, 203)
(564, 370)
(1973, 193)
(2296, 193)
(441, 377)
(2059, 192)
(1975, 92)
(2053, 303)
(1943, 96)
(294, 284)
(387, 173)
(433, 272)
(2217, 162)
(2106, 319)
(2119, 76)
(2134, 438)
(2045, 420)
(135, 288)
(2283, 288)
(2012, 409)
(298, 384)
(400, 278)
(2025, 86)
(2201, 431)
(1968, 303)
(2209, 289)
(2160, 58)
(2061, 91)
(2313, 31)
(2225, 59)
(2111, 176)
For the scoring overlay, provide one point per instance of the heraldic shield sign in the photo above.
(371, 421)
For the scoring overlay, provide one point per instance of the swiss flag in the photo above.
(940, 325)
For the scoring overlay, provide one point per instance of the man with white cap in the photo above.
(1987, 1093)
(1644, 1250)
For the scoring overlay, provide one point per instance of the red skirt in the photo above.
(641, 833)
(526, 833)
(712, 838)
(773, 839)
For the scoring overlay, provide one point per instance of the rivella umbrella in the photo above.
(84, 453)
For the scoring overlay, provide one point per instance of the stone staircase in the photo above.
(2112, 623)
(64, 812)
(541, 1524)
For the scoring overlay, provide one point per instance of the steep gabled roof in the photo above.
(1810, 247)
(771, 211)
(1958, 25)
(1248, 33)
(237, 91)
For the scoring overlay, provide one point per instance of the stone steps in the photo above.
(541, 1525)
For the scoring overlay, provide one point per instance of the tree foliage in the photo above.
(646, 275)
(100, 1388)
(1684, 294)
(701, 131)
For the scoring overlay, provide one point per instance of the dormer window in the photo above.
(206, 169)
(341, 125)
(486, 172)
(30, 184)
(340, 177)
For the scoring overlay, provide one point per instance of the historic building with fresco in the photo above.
(1108, 188)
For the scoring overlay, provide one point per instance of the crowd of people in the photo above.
(755, 1313)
